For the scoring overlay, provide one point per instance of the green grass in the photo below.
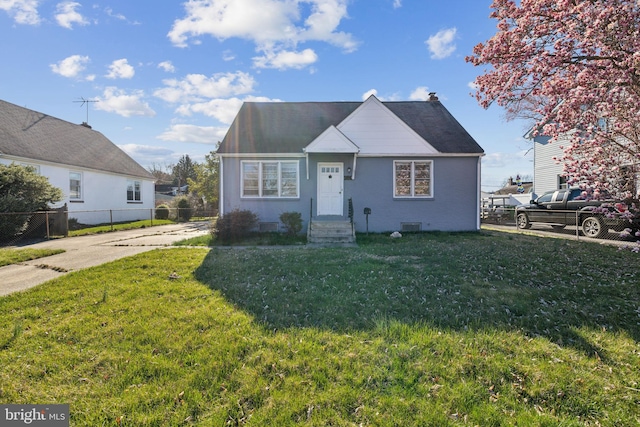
(439, 329)
(106, 228)
(255, 239)
(15, 256)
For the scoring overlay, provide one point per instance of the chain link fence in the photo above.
(23, 227)
(597, 225)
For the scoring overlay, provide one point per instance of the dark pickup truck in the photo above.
(568, 207)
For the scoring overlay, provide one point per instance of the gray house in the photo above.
(410, 164)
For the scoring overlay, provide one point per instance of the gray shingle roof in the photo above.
(288, 127)
(33, 135)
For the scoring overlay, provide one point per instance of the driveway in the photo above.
(88, 251)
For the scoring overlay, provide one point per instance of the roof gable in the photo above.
(332, 141)
(32, 135)
(377, 130)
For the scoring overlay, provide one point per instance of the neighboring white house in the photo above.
(100, 182)
(547, 172)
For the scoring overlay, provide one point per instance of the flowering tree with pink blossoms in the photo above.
(573, 66)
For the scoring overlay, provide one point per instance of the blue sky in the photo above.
(170, 76)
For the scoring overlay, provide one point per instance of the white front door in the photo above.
(330, 183)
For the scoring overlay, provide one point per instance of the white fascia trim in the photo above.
(422, 155)
(263, 155)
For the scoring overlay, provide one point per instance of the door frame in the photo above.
(340, 175)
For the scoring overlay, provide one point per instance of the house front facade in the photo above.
(99, 181)
(387, 166)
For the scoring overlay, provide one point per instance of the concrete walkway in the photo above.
(88, 251)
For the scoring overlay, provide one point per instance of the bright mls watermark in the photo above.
(34, 415)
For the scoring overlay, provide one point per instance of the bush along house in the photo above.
(352, 166)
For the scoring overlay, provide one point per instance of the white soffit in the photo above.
(332, 141)
(376, 130)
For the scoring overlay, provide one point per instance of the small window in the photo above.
(413, 178)
(75, 186)
(134, 192)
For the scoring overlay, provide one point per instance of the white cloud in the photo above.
(71, 66)
(196, 87)
(286, 59)
(397, 4)
(420, 94)
(374, 92)
(167, 66)
(441, 45)
(275, 26)
(193, 133)
(120, 69)
(117, 101)
(22, 11)
(66, 15)
(223, 110)
(112, 14)
(368, 93)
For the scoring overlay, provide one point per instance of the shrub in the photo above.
(184, 209)
(292, 222)
(162, 212)
(22, 189)
(234, 225)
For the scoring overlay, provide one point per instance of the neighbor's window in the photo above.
(270, 179)
(75, 186)
(413, 178)
(134, 194)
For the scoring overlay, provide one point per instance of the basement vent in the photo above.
(266, 227)
(411, 226)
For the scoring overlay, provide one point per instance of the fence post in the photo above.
(111, 218)
(577, 226)
(46, 218)
(151, 216)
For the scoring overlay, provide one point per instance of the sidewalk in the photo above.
(88, 251)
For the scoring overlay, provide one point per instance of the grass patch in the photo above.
(431, 330)
(255, 239)
(107, 228)
(16, 256)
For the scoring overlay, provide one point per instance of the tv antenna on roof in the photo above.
(86, 101)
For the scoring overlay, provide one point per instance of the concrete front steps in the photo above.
(331, 233)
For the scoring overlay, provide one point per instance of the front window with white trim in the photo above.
(269, 179)
(75, 186)
(134, 191)
(413, 178)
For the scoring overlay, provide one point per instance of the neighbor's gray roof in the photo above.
(32, 135)
(288, 127)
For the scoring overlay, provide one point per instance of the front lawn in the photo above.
(438, 329)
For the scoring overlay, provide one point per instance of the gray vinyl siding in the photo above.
(453, 207)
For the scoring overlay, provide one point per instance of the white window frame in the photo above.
(262, 179)
(133, 182)
(80, 195)
(412, 192)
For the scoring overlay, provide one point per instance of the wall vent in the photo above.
(266, 227)
(411, 226)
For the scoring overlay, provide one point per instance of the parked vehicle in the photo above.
(569, 207)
